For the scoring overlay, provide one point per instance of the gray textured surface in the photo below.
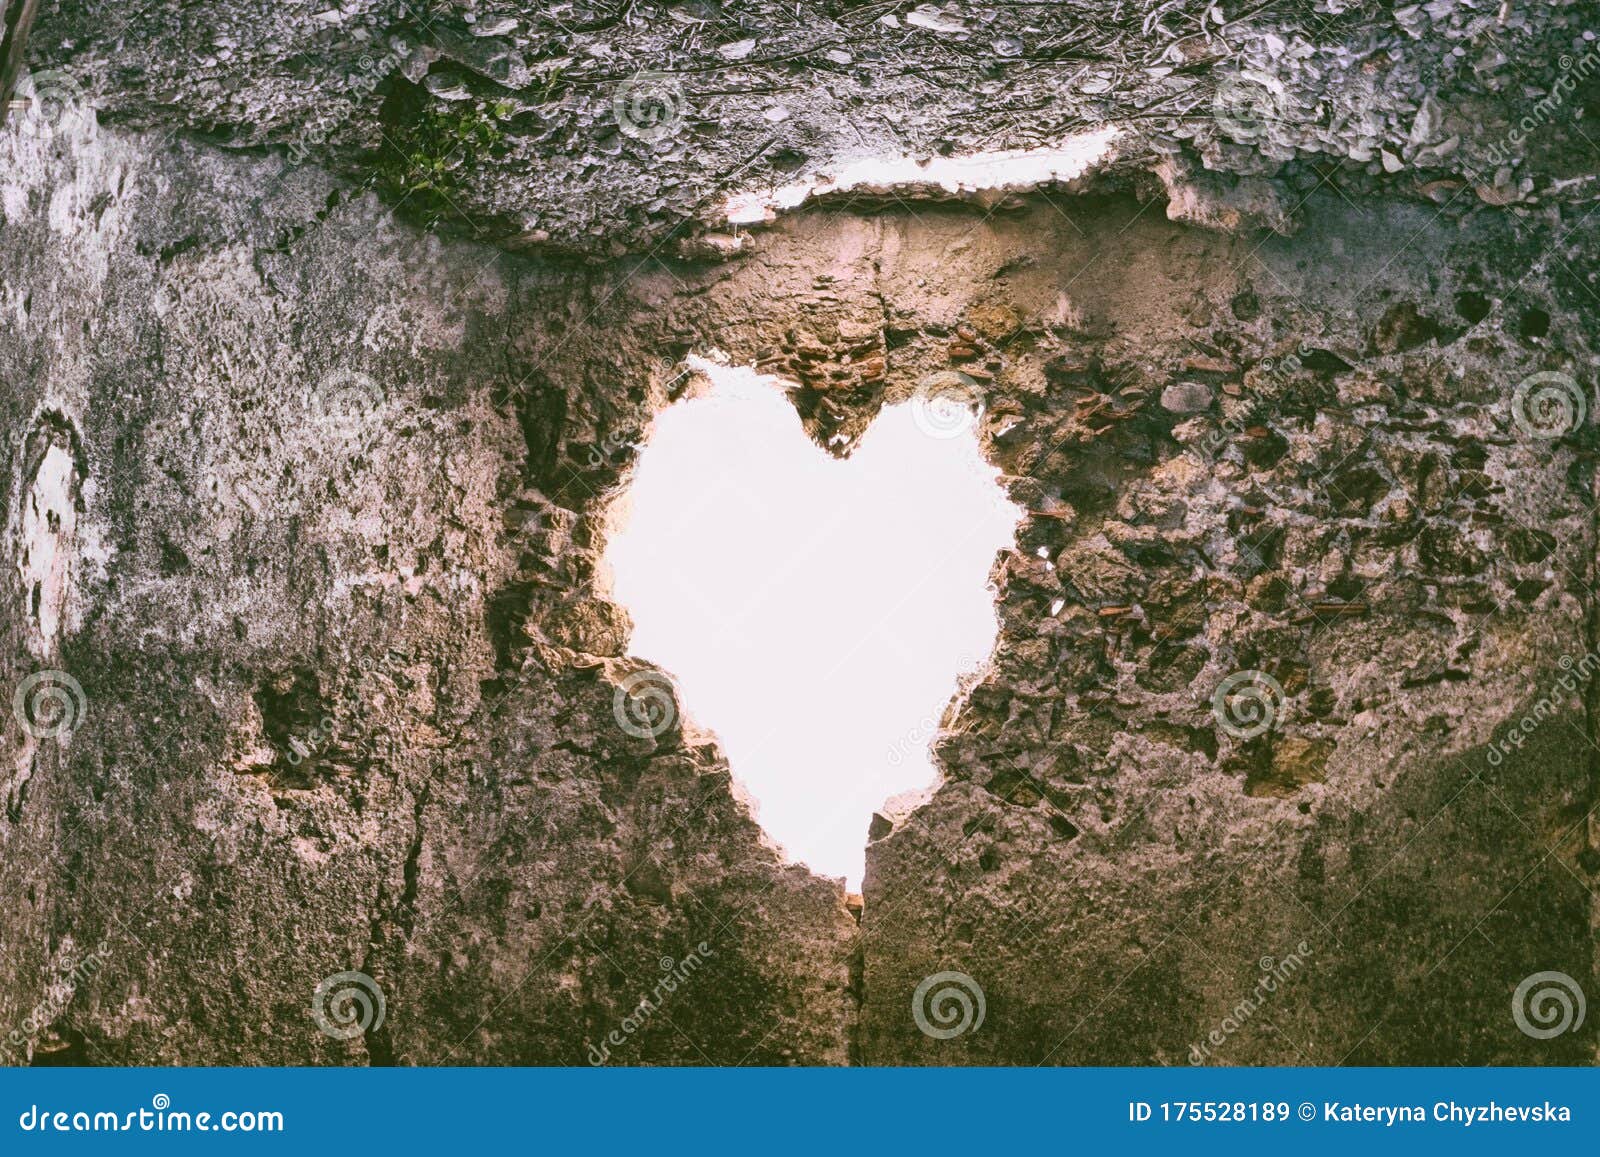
(257, 555)
(502, 119)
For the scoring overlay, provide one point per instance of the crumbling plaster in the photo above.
(351, 685)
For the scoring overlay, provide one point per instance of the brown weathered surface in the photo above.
(334, 720)
(337, 490)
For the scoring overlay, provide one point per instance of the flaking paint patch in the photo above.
(47, 530)
(44, 527)
(998, 171)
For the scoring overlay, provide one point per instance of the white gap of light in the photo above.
(1008, 170)
(815, 614)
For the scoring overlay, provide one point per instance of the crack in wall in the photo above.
(401, 915)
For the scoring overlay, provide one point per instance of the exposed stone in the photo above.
(576, 131)
(1186, 397)
(1295, 762)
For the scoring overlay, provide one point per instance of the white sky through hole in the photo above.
(814, 613)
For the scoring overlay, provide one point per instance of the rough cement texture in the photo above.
(507, 119)
(319, 735)
(310, 501)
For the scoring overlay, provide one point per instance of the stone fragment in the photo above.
(1295, 762)
(1186, 397)
(935, 19)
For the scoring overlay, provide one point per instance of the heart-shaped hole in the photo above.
(816, 614)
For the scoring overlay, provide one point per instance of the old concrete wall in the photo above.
(604, 126)
(318, 737)
(1293, 456)
(352, 686)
